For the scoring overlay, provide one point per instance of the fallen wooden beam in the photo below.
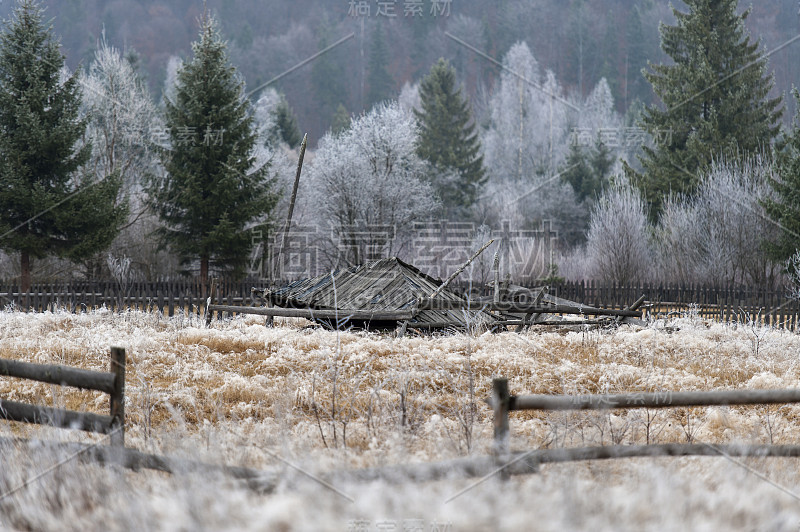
(55, 417)
(343, 314)
(525, 308)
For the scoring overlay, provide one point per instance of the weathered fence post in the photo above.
(500, 403)
(118, 396)
(210, 301)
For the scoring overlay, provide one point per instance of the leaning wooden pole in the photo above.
(292, 200)
(461, 269)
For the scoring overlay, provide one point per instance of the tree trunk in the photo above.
(204, 276)
(203, 269)
(25, 268)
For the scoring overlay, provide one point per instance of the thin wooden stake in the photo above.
(291, 203)
(496, 277)
(461, 269)
(211, 301)
(118, 397)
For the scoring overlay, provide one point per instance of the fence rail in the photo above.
(502, 402)
(729, 304)
(112, 383)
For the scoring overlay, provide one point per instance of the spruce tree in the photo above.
(48, 203)
(327, 77)
(380, 82)
(587, 170)
(286, 124)
(341, 120)
(784, 209)
(214, 190)
(447, 137)
(715, 97)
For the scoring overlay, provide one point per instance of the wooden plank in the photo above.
(367, 315)
(54, 374)
(56, 417)
(655, 400)
(526, 308)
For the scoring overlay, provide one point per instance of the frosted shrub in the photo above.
(368, 184)
(793, 269)
(717, 235)
(618, 244)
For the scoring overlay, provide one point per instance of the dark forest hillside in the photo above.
(580, 41)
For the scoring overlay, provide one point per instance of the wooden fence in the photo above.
(502, 403)
(112, 383)
(730, 304)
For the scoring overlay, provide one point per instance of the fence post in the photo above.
(500, 403)
(118, 397)
(210, 301)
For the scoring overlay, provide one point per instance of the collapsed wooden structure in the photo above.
(392, 294)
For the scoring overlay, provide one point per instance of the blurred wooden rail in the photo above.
(112, 383)
(502, 402)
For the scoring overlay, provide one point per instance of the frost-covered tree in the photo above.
(717, 235)
(122, 120)
(527, 135)
(48, 205)
(124, 129)
(215, 188)
(598, 111)
(369, 183)
(618, 244)
(715, 95)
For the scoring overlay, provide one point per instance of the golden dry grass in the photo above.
(240, 393)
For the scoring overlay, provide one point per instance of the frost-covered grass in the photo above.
(242, 394)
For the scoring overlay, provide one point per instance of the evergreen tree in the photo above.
(609, 53)
(215, 188)
(587, 171)
(784, 209)
(638, 46)
(286, 124)
(327, 78)
(48, 204)
(380, 82)
(715, 97)
(447, 136)
(341, 120)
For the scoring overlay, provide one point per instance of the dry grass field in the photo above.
(300, 401)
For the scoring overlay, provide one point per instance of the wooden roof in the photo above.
(381, 285)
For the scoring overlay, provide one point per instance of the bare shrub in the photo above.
(618, 245)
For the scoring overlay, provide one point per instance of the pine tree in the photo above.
(380, 82)
(715, 97)
(327, 78)
(587, 170)
(447, 136)
(48, 203)
(784, 209)
(215, 189)
(286, 124)
(341, 120)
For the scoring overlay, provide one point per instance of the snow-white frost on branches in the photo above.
(368, 182)
(122, 120)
